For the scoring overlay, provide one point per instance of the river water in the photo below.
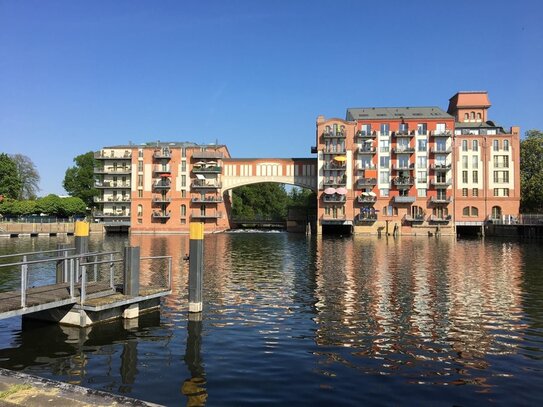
(296, 320)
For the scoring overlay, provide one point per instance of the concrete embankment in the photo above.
(15, 229)
(20, 389)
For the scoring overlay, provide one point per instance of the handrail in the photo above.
(31, 253)
(77, 256)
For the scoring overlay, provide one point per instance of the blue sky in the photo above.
(78, 75)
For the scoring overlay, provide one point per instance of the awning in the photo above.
(200, 176)
(341, 191)
(340, 158)
(368, 141)
(372, 193)
(330, 191)
(365, 194)
(212, 162)
(165, 175)
(200, 163)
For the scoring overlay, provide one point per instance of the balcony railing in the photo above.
(440, 219)
(403, 150)
(100, 199)
(366, 134)
(198, 154)
(335, 181)
(366, 217)
(121, 214)
(112, 184)
(215, 169)
(333, 134)
(207, 199)
(333, 166)
(403, 199)
(333, 198)
(364, 182)
(205, 184)
(336, 217)
(417, 218)
(366, 167)
(206, 215)
(161, 199)
(440, 150)
(162, 154)
(445, 133)
(162, 185)
(161, 214)
(440, 200)
(334, 150)
(366, 150)
(366, 199)
(109, 155)
(403, 133)
(403, 181)
(440, 167)
(162, 169)
(403, 167)
(441, 183)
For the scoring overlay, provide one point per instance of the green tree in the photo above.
(264, 201)
(72, 206)
(29, 176)
(10, 182)
(531, 172)
(79, 179)
(50, 205)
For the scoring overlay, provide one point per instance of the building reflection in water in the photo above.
(414, 304)
(194, 387)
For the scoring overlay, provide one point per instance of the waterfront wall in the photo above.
(10, 228)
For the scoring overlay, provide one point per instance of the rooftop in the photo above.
(408, 112)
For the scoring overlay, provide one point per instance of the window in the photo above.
(464, 192)
(421, 192)
(465, 211)
(384, 161)
(140, 210)
(501, 161)
(404, 127)
(475, 145)
(422, 145)
(465, 177)
(140, 180)
(465, 162)
(383, 177)
(183, 180)
(474, 161)
(422, 128)
(496, 212)
(421, 162)
(474, 211)
(140, 193)
(385, 129)
(183, 152)
(366, 129)
(183, 193)
(479, 117)
(496, 145)
(472, 115)
(475, 177)
(140, 153)
(383, 146)
(140, 166)
(183, 210)
(470, 211)
(183, 166)
(441, 128)
(466, 116)
(422, 177)
(501, 177)
(506, 145)
(475, 192)
(384, 192)
(464, 145)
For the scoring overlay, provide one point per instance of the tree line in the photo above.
(19, 186)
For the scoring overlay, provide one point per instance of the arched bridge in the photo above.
(301, 172)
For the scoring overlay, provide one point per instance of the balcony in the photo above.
(212, 169)
(440, 167)
(365, 182)
(333, 134)
(162, 185)
(403, 167)
(403, 150)
(161, 214)
(440, 219)
(112, 184)
(417, 218)
(366, 150)
(207, 199)
(403, 199)
(366, 167)
(403, 133)
(436, 200)
(199, 154)
(161, 199)
(205, 184)
(440, 183)
(436, 133)
(334, 198)
(112, 199)
(334, 217)
(366, 134)
(162, 169)
(335, 181)
(115, 215)
(111, 155)
(367, 200)
(206, 215)
(403, 181)
(440, 150)
(366, 217)
(162, 153)
(334, 150)
(334, 166)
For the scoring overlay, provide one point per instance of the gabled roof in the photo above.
(465, 99)
(387, 113)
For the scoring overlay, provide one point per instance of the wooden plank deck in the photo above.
(45, 297)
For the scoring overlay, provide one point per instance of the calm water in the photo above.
(290, 320)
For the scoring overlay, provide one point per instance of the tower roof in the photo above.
(467, 99)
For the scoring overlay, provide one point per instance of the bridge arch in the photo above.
(301, 172)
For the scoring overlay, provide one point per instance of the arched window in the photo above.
(466, 116)
(140, 210)
(183, 210)
(472, 115)
(496, 212)
(474, 211)
(465, 211)
(479, 116)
